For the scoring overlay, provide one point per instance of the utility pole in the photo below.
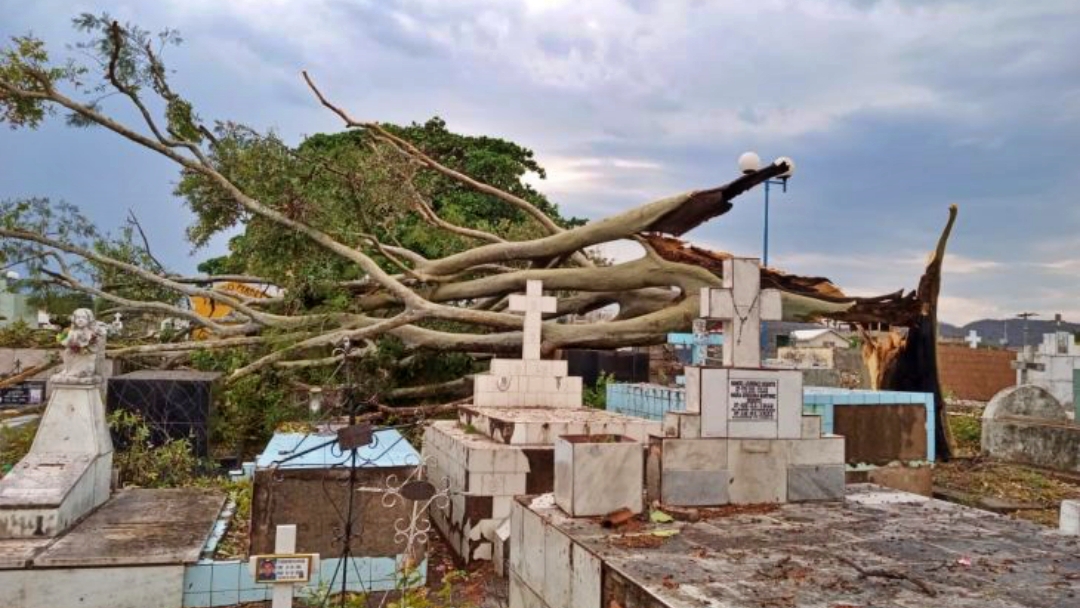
(1025, 316)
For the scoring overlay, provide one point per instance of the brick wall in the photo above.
(976, 374)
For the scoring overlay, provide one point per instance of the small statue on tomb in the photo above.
(83, 347)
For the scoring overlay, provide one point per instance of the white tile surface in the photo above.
(557, 568)
(604, 477)
(811, 427)
(695, 454)
(826, 450)
(532, 550)
(585, 590)
(693, 388)
(714, 386)
(758, 471)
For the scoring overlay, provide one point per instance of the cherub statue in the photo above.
(83, 347)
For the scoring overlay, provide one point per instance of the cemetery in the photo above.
(388, 371)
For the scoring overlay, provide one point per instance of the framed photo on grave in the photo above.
(283, 568)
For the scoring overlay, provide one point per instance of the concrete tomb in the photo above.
(501, 445)
(1054, 364)
(175, 404)
(827, 554)
(68, 471)
(1028, 424)
(743, 438)
(301, 480)
(62, 537)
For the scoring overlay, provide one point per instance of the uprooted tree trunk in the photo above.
(910, 362)
(456, 302)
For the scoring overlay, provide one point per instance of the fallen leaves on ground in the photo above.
(1013, 482)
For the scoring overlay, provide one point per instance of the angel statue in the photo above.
(83, 346)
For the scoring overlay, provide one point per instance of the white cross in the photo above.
(534, 304)
(285, 545)
(973, 339)
(742, 305)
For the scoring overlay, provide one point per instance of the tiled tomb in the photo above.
(743, 438)
(501, 446)
(804, 554)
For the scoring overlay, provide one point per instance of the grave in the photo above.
(1054, 364)
(878, 547)
(1028, 424)
(302, 480)
(175, 404)
(62, 535)
(743, 438)
(68, 471)
(501, 445)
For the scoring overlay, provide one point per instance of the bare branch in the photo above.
(146, 241)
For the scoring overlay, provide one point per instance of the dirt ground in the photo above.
(1016, 490)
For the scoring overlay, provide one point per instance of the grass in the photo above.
(967, 433)
(14, 444)
(1012, 482)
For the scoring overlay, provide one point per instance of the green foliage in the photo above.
(249, 409)
(351, 186)
(24, 66)
(143, 464)
(967, 433)
(596, 396)
(21, 335)
(14, 444)
(234, 545)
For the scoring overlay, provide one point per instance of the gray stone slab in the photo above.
(788, 556)
(694, 488)
(140, 527)
(16, 553)
(695, 454)
(815, 482)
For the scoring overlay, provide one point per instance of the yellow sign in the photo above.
(205, 307)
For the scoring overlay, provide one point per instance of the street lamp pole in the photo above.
(765, 246)
(750, 162)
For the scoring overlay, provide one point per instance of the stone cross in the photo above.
(534, 304)
(284, 542)
(742, 305)
(973, 339)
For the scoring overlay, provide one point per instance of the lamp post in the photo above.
(750, 162)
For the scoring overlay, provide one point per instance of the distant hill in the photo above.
(992, 331)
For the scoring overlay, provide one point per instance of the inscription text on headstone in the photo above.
(753, 399)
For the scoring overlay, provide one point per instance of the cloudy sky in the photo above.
(891, 110)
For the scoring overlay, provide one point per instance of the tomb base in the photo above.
(68, 471)
(694, 471)
(130, 553)
(490, 455)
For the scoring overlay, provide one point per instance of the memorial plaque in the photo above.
(355, 436)
(290, 568)
(24, 393)
(753, 400)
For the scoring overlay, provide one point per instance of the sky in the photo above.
(891, 111)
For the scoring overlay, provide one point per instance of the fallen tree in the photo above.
(454, 302)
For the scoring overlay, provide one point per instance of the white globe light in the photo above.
(749, 162)
(791, 166)
(12, 275)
